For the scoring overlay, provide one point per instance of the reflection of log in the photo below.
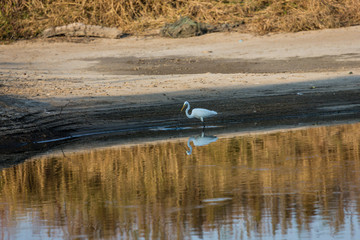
(82, 30)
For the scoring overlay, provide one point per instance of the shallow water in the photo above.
(297, 184)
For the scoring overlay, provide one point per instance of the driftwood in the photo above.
(82, 30)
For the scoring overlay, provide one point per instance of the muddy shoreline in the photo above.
(87, 125)
(133, 88)
(199, 65)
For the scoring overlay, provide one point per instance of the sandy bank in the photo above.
(58, 87)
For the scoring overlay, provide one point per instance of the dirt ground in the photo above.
(62, 87)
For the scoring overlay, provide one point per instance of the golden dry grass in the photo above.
(26, 19)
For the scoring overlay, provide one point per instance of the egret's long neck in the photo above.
(187, 112)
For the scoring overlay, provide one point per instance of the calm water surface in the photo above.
(298, 184)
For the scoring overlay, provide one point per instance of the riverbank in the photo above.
(74, 86)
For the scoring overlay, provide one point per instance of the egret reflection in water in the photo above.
(200, 140)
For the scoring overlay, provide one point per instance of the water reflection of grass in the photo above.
(157, 191)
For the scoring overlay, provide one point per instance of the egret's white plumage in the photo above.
(199, 113)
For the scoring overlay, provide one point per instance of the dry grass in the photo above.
(297, 15)
(26, 19)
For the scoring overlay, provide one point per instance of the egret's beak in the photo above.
(182, 108)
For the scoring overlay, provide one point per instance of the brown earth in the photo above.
(133, 88)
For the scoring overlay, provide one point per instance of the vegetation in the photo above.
(26, 19)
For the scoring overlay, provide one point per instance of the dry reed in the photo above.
(26, 19)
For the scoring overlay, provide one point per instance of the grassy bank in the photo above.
(26, 19)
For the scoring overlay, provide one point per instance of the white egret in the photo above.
(199, 113)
